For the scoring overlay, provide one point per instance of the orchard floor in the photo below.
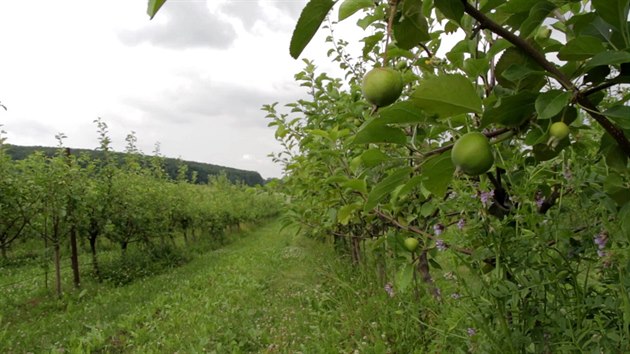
(266, 292)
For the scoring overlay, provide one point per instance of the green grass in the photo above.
(268, 291)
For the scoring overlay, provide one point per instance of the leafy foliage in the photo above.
(536, 250)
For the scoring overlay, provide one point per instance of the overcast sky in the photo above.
(193, 78)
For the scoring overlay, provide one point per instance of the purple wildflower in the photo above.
(567, 173)
(485, 197)
(441, 246)
(438, 229)
(461, 223)
(540, 199)
(601, 240)
(389, 289)
(471, 331)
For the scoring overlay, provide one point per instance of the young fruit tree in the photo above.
(496, 134)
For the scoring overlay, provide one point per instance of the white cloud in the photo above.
(187, 24)
(197, 87)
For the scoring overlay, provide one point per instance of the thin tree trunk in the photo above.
(423, 268)
(58, 268)
(95, 268)
(123, 248)
(46, 263)
(74, 257)
(356, 249)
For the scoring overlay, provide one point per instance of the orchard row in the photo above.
(65, 200)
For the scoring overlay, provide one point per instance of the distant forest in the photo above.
(171, 165)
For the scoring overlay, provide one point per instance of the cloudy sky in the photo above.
(193, 78)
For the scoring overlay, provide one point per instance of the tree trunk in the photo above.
(423, 269)
(95, 268)
(74, 257)
(356, 249)
(123, 247)
(57, 268)
(45, 265)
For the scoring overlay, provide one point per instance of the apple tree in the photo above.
(506, 156)
(496, 134)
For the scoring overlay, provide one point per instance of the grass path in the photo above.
(266, 292)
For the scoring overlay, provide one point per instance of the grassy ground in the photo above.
(267, 292)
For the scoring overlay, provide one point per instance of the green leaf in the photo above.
(336, 179)
(366, 21)
(451, 9)
(514, 56)
(386, 186)
(358, 185)
(411, 30)
(447, 95)
(345, 213)
(310, 19)
(371, 42)
(589, 24)
(476, 67)
(404, 276)
(410, 185)
(537, 14)
(451, 27)
(154, 6)
(438, 173)
(321, 133)
(615, 187)
(619, 114)
(350, 7)
(457, 53)
(615, 12)
(517, 6)
(379, 133)
(550, 103)
(581, 48)
(402, 112)
(490, 5)
(498, 46)
(608, 58)
(616, 159)
(373, 157)
(517, 72)
(354, 164)
(543, 152)
(511, 110)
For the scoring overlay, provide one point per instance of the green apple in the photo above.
(559, 130)
(472, 154)
(411, 243)
(382, 86)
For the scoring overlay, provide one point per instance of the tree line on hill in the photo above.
(170, 165)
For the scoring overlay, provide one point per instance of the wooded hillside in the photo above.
(203, 170)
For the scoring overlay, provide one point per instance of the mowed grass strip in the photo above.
(268, 291)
